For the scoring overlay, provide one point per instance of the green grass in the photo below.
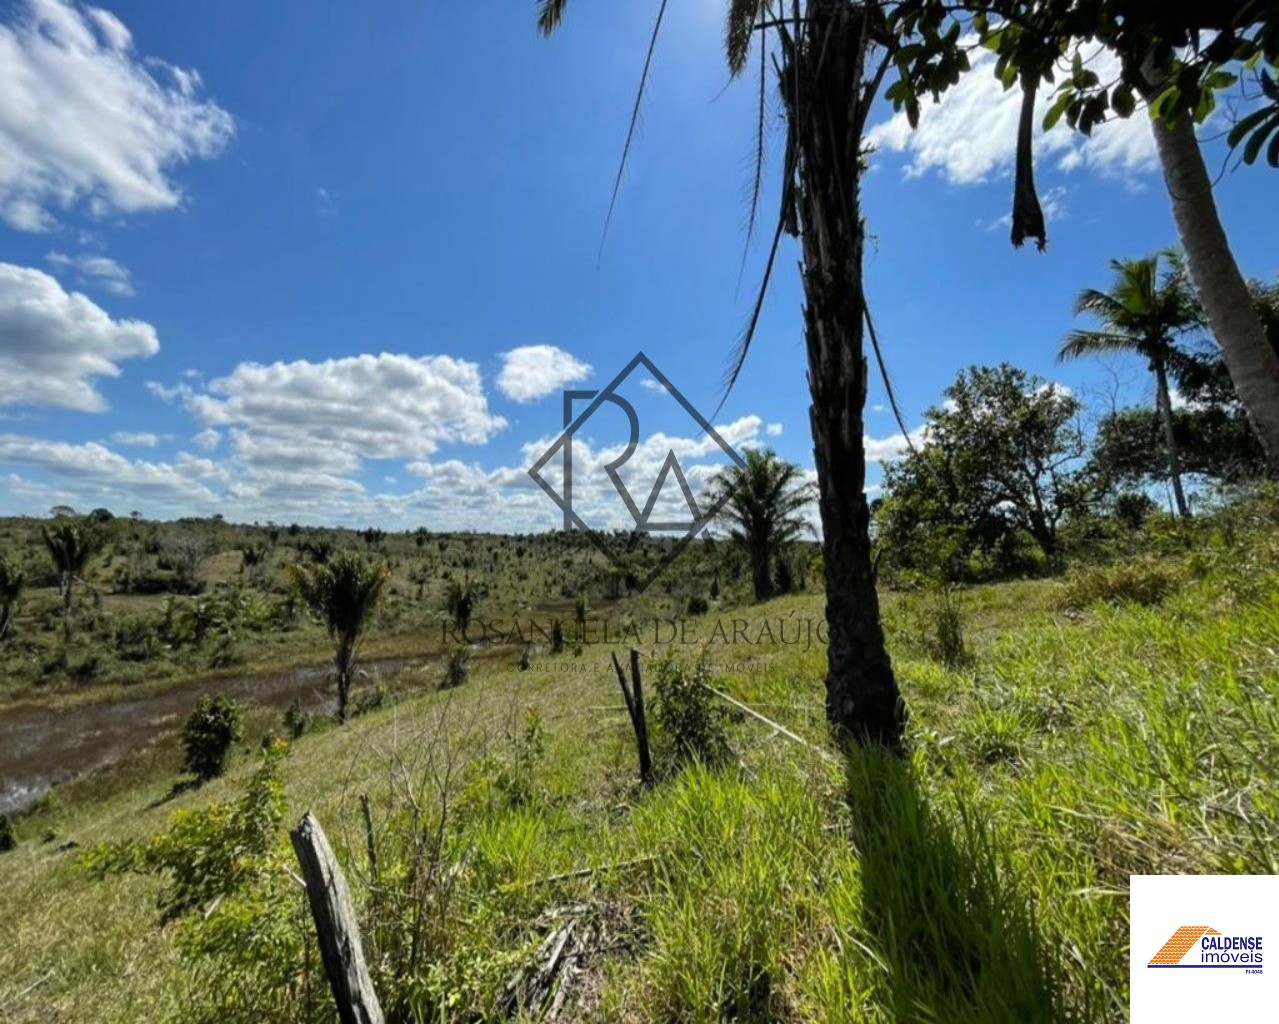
(983, 878)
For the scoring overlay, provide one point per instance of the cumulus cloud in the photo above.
(131, 440)
(54, 343)
(971, 135)
(535, 371)
(90, 271)
(889, 449)
(774, 430)
(207, 439)
(329, 415)
(97, 473)
(86, 121)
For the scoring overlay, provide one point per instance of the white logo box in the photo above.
(1216, 938)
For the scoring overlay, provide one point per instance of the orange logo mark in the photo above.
(1181, 942)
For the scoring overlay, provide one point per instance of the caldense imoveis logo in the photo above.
(1197, 945)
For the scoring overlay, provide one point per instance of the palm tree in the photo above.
(71, 548)
(1143, 316)
(832, 59)
(765, 505)
(342, 592)
(1249, 356)
(12, 582)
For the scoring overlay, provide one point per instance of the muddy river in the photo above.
(41, 747)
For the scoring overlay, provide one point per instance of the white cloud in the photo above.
(87, 121)
(774, 430)
(535, 371)
(327, 416)
(132, 440)
(971, 135)
(99, 474)
(54, 343)
(889, 449)
(207, 439)
(93, 272)
(170, 394)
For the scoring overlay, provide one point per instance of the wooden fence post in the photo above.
(634, 696)
(335, 924)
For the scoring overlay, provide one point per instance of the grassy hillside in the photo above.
(1080, 737)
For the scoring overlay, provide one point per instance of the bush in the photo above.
(296, 720)
(8, 841)
(458, 669)
(946, 644)
(1143, 582)
(688, 717)
(214, 727)
(698, 605)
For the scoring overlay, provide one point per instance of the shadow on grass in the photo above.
(951, 933)
(180, 787)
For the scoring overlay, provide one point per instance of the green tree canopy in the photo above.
(1001, 459)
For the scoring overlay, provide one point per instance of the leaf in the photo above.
(1122, 101)
(1255, 142)
(1057, 109)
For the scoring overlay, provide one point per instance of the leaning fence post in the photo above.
(634, 696)
(335, 924)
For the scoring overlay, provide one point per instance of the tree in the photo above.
(1164, 65)
(1142, 316)
(71, 548)
(831, 58)
(1213, 441)
(342, 593)
(765, 504)
(12, 582)
(1000, 459)
(212, 729)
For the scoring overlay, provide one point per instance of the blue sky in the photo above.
(273, 259)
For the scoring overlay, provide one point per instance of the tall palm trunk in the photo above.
(761, 572)
(1163, 399)
(1248, 355)
(344, 662)
(822, 88)
(67, 584)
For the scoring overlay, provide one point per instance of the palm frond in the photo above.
(1099, 303)
(635, 111)
(741, 26)
(549, 13)
(1090, 343)
(757, 182)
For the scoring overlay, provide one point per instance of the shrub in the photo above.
(1133, 508)
(205, 852)
(698, 605)
(213, 728)
(946, 644)
(370, 699)
(296, 720)
(1142, 581)
(688, 717)
(8, 841)
(557, 637)
(458, 669)
(517, 780)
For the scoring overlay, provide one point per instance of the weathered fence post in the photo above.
(634, 697)
(335, 924)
